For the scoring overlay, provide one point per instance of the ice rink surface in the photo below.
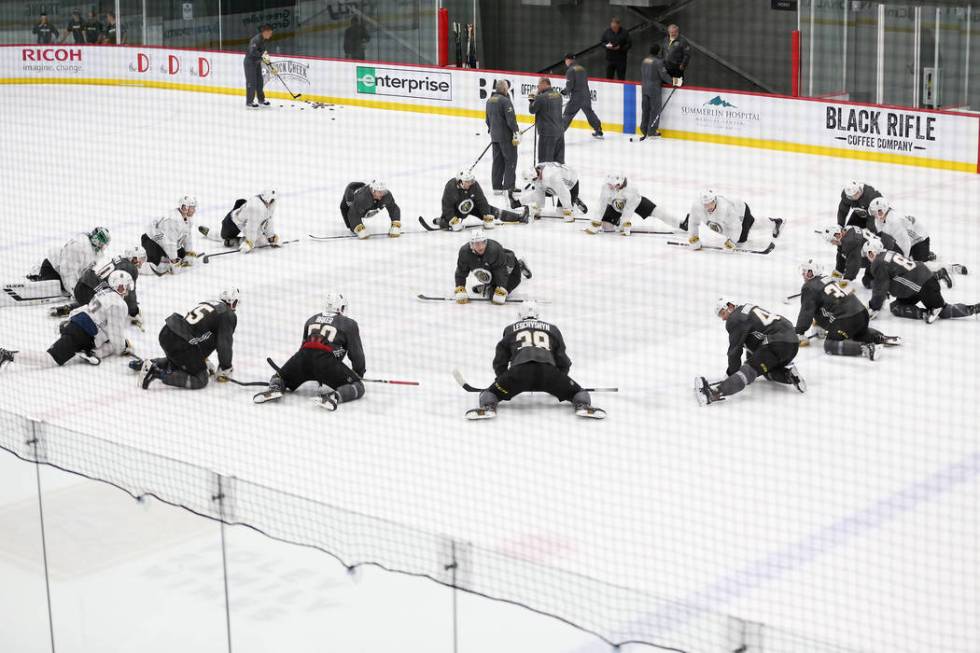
(847, 515)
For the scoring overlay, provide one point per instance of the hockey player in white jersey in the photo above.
(91, 332)
(719, 221)
(618, 202)
(550, 178)
(169, 241)
(252, 223)
(909, 232)
(68, 262)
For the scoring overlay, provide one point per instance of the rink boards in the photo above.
(932, 139)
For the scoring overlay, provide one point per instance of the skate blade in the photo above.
(594, 413)
(479, 413)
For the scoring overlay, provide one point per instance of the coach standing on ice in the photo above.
(654, 74)
(254, 58)
(505, 135)
(579, 96)
(546, 107)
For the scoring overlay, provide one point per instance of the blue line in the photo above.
(629, 109)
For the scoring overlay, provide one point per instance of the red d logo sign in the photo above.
(203, 67)
(142, 63)
(173, 64)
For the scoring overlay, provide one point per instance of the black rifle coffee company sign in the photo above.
(883, 130)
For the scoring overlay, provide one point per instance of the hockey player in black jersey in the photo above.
(911, 283)
(498, 270)
(91, 279)
(530, 357)
(770, 342)
(839, 313)
(464, 197)
(362, 201)
(850, 260)
(853, 207)
(188, 340)
(327, 337)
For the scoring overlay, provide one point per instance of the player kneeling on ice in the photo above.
(849, 242)
(250, 223)
(169, 241)
(910, 235)
(363, 201)
(89, 283)
(463, 197)
(531, 357)
(618, 202)
(839, 313)
(327, 338)
(188, 340)
(854, 202)
(911, 283)
(722, 222)
(498, 270)
(771, 345)
(69, 262)
(555, 179)
(91, 332)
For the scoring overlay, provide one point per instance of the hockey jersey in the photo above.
(254, 219)
(209, 326)
(750, 327)
(823, 301)
(172, 233)
(498, 260)
(907, 230)
(105, 319)
(728, 216)
(72, 259)
(897, 276)
(338, 334)
(531, 341)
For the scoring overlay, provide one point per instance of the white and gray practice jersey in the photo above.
(172, 233)
(72, 259)
(255, 219)
(108, 311)
(907, 230)
(728, 215)
(556, 178)
(624, 200)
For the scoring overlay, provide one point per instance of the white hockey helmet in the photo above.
(813, 267)
(872, 244)
(529, 174)
(120, 279)
(722, 303)
(528, 311)
(478, 236)
(830, 234)
(187, 202)
(137, 253)
(334, 302)
(268, 196)
(708, 196)
(378, 186)
(230, 297)
(616, 181)
(878, 208)
(853, 189)
(465, 176)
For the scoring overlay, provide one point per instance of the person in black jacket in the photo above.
(676, 51)
(617, 42)
(92, 28)
(355, 37)
(76, 28)
(653, 74)
(46, 32)
(579, 96)
(187, 342)
(255, 56)
(505, 136)
(545, 105)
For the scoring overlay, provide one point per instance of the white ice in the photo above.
(846, 515)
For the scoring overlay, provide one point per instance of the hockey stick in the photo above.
(790, 298)
(653, 233)
(466, 386)
(659, 113)
(432, 298)
(768, 249)
(273, 365)
(275, 72)
(246, 383)
(207, 257)
(482, 154)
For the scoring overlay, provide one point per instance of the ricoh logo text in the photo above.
(51, 54)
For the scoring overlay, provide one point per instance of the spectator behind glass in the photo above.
(676, 52)
(617, 42)
(45, 31)
(355, 37)
(74, 28)
(92, 28)
(109, 36)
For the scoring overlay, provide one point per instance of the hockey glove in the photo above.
(456, 223)
(499, 295)
(729, 245)
(804, 341)
(184, 262)
(488, 222)
(837, 275)
(594, 227)
(223, 375)
(246, 246)
(265, 59)
(395, 230)
(568, 215)
(461, 296)
(191, 253)
(274, 241)
(694, 241)
(516, 140)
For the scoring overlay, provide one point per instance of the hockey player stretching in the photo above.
(497, 269)
(91, 332)
(531, 357)
(250, 223)
(911, 283)
(327, 337)
(362, 201)
(67, 263)
(188, 340)
(771, 344)
(169, 241)
(719, 221)
(838, 312)
(462, 197)
(618, 202)
(88, 284)
(550, 179)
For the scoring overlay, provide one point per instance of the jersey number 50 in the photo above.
(324, 332)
